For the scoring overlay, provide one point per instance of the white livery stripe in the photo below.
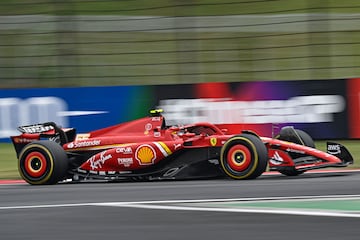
(162, 150)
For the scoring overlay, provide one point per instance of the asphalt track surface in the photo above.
(166, 210)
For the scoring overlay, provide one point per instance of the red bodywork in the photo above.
(138, 145)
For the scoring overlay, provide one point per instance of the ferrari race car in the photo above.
(148, 149)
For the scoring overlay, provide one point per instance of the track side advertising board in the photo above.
(326, 109)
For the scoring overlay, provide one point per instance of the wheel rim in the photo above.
(239, 158)
(35, 164)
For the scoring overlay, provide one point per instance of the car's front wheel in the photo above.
(244, 157)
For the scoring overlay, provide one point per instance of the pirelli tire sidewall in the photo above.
(244, 157)
(43, 162)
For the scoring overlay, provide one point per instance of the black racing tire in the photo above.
(244, 157)
(301, 137)
(43, 163)
(296, 136)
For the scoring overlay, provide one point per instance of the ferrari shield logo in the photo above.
(213, 141)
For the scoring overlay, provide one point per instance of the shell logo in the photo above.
(145, 154)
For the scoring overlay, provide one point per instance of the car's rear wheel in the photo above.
(299, 137)
(244, 157)
(43, 162)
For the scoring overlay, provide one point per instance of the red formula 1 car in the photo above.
(148, 149)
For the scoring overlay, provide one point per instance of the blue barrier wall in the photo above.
(318, 107)
(86, 108)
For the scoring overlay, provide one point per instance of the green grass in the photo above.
(8, 161)
(173, 7)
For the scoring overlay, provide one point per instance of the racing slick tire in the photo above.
(244, 157)
(43, 163)
(296, 136)
(301, 137)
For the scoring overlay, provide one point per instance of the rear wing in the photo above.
(47, 128)
(38, 128)
(42, 131)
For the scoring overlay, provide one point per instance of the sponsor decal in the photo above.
(294, 151)
(177, 145)
(334, 149)
(145, 154)
(36, 128)
(54, 138)
(213, 141)
(71, 145)
(155, 119)
(23, 140)
(124, 150)
(82, 136)
(214, 161)
(84, 144)
(95, 164)
(148, 126)
(276, 159)
(298, 109)
(127, 162)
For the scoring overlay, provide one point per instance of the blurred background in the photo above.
(254, 57)
(51, 43)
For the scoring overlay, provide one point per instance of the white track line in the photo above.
(17, 182)
(243, 210)
(171, 205)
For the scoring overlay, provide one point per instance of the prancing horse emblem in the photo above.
(213, 141)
